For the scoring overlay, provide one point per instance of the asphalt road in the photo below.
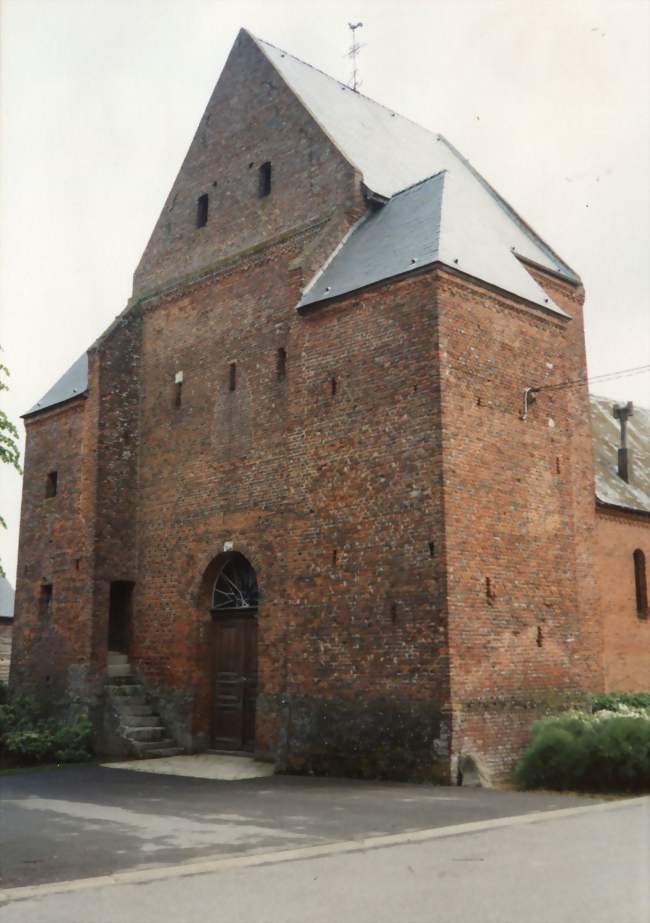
(88, 821)
(281, 850)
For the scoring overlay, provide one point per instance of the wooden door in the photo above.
(235, 683)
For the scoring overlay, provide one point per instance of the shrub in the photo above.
(607, 751)
(3, 693)
(26, 737)
(611, 701)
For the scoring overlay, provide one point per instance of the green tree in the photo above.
(9, 451)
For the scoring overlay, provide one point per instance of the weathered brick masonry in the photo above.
(424, 556)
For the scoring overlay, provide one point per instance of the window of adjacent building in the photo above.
(51, 484)
(45, 600)
(265, 180)
(202, 210)
(232, 376)
(641, 584)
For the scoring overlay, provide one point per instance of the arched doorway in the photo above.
(234, 654)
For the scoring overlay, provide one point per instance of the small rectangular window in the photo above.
(45, 601)
(178, 389)
(202, 210)
(51, 484)
(265, 180)
(232, 376)
(282, 364)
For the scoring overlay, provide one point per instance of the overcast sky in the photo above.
(99, 100)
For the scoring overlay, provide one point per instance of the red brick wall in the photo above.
(518, 503)
(352, 654)
(51, 653)
(251, 118)
(626, 636)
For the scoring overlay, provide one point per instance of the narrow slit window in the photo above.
(51, 484)
(333, 386)
(202, 210)
(281, 366)
(232, 376)
(265, 180)
(641, 584)
(178, 389)
(45, 600)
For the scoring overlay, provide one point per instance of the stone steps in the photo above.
(139, 726)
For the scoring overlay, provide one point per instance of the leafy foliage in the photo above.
(28, 737)
(604, 751)
(611, 701)
(9, 451)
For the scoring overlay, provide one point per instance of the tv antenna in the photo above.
(352, 53)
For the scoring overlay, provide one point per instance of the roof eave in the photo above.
(304, 309)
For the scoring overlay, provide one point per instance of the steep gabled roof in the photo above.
(440, 220)
(393, 153)
(71, 384)
(610, 488)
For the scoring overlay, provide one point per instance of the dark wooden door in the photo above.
(235, 683)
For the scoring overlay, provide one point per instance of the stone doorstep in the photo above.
(126, 689)
(225, 768)
(148, 720)
(118, 669)
(116, 657)
(127, 706)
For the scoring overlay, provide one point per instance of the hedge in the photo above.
(604, 751)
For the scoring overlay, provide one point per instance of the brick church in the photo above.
(321, 492)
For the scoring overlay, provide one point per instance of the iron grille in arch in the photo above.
(236, 585)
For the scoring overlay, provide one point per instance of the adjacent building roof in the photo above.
(610, 488)
(71, 384)
(6, 598)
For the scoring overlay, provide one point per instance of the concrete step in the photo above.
(146, 748)
(122, 670)
(122, 680)
(140, 734)
(131, 705)
(132, 690)
(161, 752)
(116, 657)
(128, 721)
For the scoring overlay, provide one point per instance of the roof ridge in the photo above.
(375, 102)
(419, 182)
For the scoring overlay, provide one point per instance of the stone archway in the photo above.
(233, 652)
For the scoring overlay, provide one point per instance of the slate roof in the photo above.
(7, 595)
(71, 384)
(438, 220)
(610, 488)
(393, 153)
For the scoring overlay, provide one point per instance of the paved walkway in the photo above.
(218, 766)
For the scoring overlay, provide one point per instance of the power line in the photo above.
(609, 376)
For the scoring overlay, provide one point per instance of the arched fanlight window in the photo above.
(236, 585)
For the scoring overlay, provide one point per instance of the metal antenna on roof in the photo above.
(352, 53)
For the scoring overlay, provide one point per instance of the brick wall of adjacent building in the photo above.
(626, 634)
